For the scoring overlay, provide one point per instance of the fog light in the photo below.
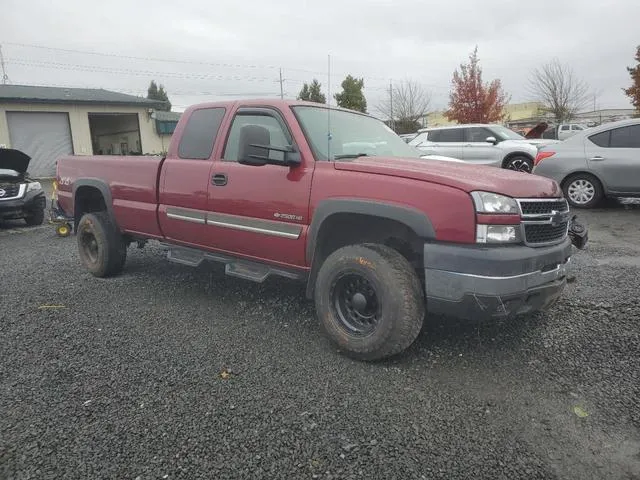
(497, 234)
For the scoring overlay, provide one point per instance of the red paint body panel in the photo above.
(262, 193)
(143, 189)
(132, 181)
(458, 175)
(450, 210)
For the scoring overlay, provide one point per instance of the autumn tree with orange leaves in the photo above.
(633, 92)
(471, 100)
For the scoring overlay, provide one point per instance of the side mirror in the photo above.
(291, 157)
(491, 140)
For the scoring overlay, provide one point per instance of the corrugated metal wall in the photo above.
(44, 136)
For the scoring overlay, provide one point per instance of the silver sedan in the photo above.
(598, 162)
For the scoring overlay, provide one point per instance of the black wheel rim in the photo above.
(519, 165)
(356, 304)
(89, 246)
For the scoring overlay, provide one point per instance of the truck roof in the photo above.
(268, 102)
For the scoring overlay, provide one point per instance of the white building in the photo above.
(49, 122)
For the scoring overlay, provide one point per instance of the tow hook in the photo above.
(578, 233)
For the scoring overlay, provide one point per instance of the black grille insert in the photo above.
(10, 190)
(543, 208)
(544, 233)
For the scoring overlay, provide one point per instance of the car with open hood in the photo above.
(21, 197)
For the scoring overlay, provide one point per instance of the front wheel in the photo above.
(519, 164)
(35, 218)
(583, 190)
(369, 301)
(102, 249)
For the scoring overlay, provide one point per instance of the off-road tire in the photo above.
(110, 253)
(396, 285)
(598, 193)
(35, 218)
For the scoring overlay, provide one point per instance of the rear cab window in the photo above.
(199, 135)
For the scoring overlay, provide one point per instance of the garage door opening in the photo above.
(115, 133)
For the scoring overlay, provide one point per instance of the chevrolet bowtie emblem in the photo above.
(558, 218)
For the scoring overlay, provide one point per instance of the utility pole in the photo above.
(281, 86)
(5, 77)
(393, 123)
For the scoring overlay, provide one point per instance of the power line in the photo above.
(183, 62)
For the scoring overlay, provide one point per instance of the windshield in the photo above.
(352, 135)
(505, 133)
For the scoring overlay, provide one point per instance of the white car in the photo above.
(480, 144)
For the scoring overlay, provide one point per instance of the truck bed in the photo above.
(132, 180)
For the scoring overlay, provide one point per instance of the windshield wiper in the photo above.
(350, 155)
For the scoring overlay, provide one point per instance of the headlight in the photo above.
(498, 234)
(487, 202)
(31, 186)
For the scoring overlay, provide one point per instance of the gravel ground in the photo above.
(123, 378)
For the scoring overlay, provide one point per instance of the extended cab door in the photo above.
(185, 178)
(260, 211)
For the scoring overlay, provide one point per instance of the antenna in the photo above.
(281, 81)
(5, 77)
(392, 122)
(329, 107)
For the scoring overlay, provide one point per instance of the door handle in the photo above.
(219, 179)
(597, 158)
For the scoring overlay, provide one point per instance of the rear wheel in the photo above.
(102, 248)
(583, 190)
(369, 301)
(519, 163)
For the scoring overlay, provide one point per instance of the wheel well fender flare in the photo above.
(413, 218)
(97, 184)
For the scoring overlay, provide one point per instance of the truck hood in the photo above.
(11, 159)
(462, 176)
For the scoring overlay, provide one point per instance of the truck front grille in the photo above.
(544, 233)
(11, 190)
(541, 207)
(544, 221)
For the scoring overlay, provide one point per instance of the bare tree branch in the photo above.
(407, 104)
(562, 93)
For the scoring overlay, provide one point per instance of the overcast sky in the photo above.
(236, 49)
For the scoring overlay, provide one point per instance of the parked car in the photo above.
(266, 189)
(20, 196)
(599, 162)
(480, 144)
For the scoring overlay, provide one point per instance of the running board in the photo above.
(234, 267)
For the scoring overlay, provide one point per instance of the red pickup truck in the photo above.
(334, 198)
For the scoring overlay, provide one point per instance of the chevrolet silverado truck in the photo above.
(380, 237)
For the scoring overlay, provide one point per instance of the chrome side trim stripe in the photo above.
(236, 222)
(186, 215)
(256, 225)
